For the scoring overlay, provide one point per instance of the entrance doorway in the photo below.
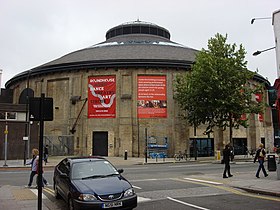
(100, 143)
(204, 146)
(240, 146)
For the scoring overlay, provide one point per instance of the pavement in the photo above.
(21, 198)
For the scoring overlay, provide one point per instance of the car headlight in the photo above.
(87, 197)
(129, 192)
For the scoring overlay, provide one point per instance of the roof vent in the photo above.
(137, 27)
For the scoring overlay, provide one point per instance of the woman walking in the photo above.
(34, 165)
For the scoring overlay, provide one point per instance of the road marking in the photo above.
(135, 168)
(184, 166)
(36, 193)
(204, 181)
(49, 190)
(229, 189)
(142, 199)
(139, 188)
(187, 204)
(144, 180)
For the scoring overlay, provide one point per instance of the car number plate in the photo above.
(111, 205)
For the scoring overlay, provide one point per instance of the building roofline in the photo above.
(76, 66)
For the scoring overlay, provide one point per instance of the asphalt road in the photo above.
(166, 187)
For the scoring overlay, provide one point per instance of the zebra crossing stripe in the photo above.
(35, 191)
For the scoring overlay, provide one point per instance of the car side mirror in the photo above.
(120, 171)
(63, 175)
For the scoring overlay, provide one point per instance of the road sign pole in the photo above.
(44, 113)
(40, 176)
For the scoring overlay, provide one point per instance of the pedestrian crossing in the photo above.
(147, 195)
(171, 189)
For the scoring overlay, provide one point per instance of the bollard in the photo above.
(125, 154)
(218, 155)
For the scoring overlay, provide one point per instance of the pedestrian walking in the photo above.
(34, 165)
(46, 154)
(227, 155)
(34, 162)
(44, 181)
(260, 156)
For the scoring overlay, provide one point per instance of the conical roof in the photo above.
(130, 44)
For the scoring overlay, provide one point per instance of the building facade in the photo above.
(118, 96)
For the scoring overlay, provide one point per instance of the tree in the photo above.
(217, 91)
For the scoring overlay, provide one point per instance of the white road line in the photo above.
(142, 199)
(135, 168)
(185, 166)
(143, 180)
(187, 204)
(204, 181)
(139, 188)
(36, 193)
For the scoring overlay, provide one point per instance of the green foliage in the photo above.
(217, 91)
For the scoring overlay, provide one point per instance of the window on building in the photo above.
(11, 115)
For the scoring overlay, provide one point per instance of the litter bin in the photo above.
(271, 163)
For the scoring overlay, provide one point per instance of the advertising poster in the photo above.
(151, 97)
(102, 97)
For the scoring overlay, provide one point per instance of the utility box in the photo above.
(271, 163)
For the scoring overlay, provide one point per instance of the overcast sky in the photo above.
(34, 32)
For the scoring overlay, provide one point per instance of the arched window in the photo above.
(25, 94)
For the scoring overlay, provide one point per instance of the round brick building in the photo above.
(117, 96)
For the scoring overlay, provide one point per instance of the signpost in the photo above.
(44, 113)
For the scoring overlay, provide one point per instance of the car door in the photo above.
(63, 178)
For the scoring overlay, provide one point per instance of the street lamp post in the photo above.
(27, 126)
(260, 51)
(261, 18)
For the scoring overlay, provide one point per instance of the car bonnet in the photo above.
(102, 186)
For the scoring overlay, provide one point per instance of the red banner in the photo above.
(258, 97)
(102, 97)
(260, 117)
(152, 100)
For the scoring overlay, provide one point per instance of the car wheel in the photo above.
(56, 193)
(70, 204)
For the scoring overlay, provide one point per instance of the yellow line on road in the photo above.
(229, 189)
(49, 190)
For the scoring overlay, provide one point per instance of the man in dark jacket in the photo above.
(260, 155)
(226, 158)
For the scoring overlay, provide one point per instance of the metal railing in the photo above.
(60, 145)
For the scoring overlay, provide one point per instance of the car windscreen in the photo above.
(92, 169)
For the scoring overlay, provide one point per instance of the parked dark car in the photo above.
(92, 183)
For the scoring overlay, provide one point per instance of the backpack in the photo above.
(261, 153)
